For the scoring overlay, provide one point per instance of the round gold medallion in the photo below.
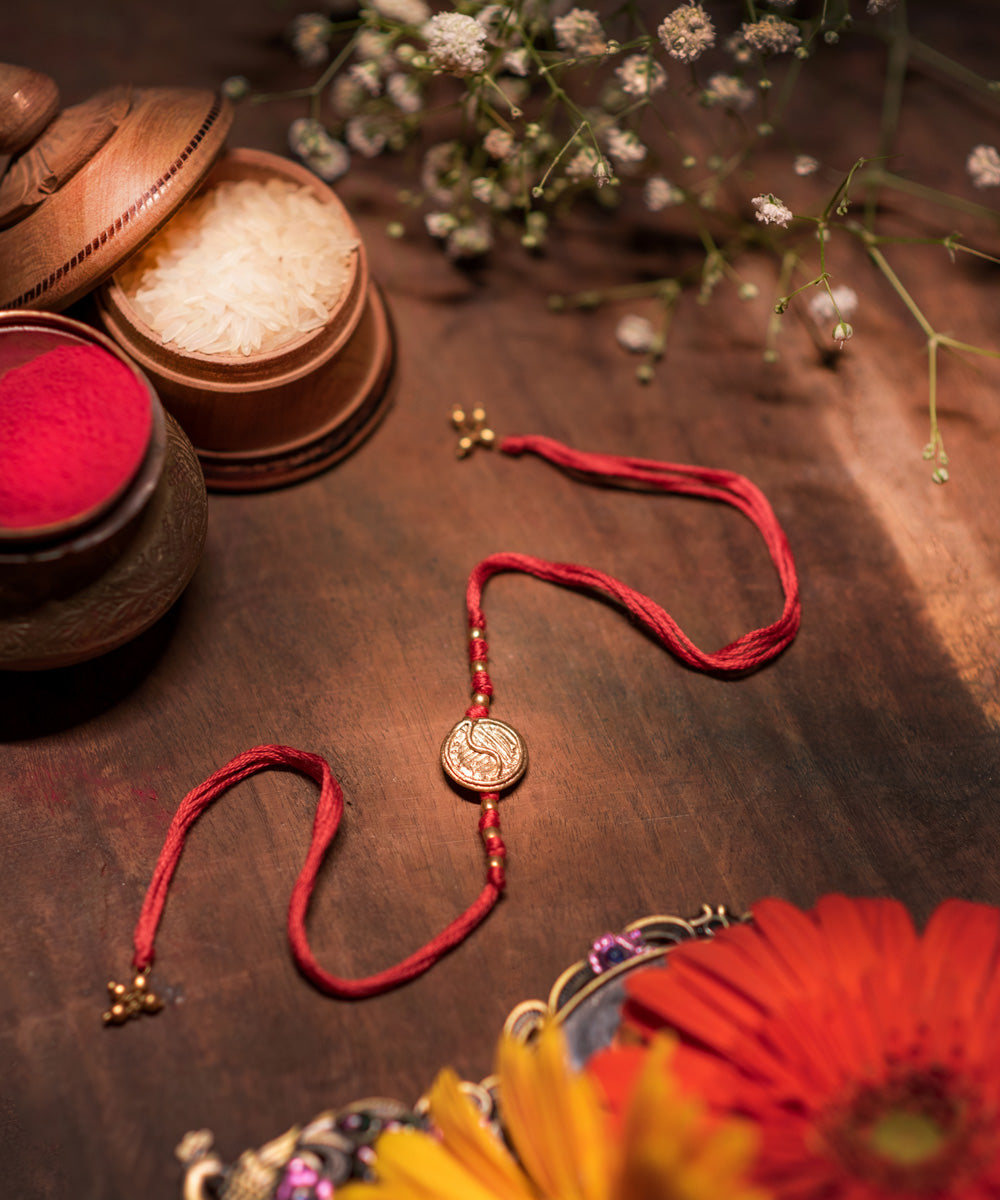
(485, 755)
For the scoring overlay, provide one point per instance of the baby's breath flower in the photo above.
(582, 164)
(440, 224)
(469, 240)
(771, 35)
(771, 211)
(406, 12)
(365, 137)
(518, 62)
(687, 32)
(482, 189)
(660, 193)
(579, 31)
(496, 19)
(455, 43)
(736, 45)
(624, 147)
(374, 46)
(310, 37)
(235, 87)
(404, 91)
(536, 226)
(641, 75)
(322, 153)
(498, 143)
(728, 91)
(842, 333)
(635, 334)
(983, 164)
(366, 75)
(346, 95)
(805, 164)
(844, 303)
(439, 171)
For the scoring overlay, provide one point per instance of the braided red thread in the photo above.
(490, 819)
(749, 651)
(329, 810)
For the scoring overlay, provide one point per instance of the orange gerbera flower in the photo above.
(868, 1057)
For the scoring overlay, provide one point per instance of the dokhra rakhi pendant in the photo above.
(484, 755)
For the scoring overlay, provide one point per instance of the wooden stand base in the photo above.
(357, 380)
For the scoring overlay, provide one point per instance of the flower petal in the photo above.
(670, 1149)
(471, 1142)
(413, 1165)
(554, 1118)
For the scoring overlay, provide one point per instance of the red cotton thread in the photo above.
(748, 652)
(329, 811)
(74, 427)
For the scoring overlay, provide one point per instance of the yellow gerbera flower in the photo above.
(565, 1144)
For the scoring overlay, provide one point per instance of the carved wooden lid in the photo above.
(96, 180)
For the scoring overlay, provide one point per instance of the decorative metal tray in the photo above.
(309, 1162)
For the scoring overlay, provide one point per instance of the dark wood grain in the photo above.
(329, 616)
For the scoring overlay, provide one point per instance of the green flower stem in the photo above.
(315, 90)
(947, 66)
(841, 197)
(951, 343)
(879, 177)
(789, 261)
(951, 245)
(566, 145)
(892, 102)
(935, 445)
(882, 263)
(666, 289)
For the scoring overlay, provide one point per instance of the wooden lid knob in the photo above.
(29, 101)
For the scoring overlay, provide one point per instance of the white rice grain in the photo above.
(245, 268)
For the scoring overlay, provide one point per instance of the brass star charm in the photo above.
(128, 1002)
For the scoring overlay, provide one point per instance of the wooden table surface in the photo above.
(329, 616)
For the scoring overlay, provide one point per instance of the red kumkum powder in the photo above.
(74, 428)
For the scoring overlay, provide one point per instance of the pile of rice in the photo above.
(245, 268)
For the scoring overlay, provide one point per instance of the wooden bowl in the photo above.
(100, 179)
(271, 404)
(83, 588)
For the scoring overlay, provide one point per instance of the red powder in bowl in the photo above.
(74, 429)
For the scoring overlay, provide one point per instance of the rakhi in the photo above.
(481, 754)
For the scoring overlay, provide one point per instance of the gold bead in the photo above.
(119, 989)
(464, 446)
(495, 860)
(140, 983)
(479, 415)
(481, 699)
(476, 634)
(457, 417)
(487, 437)
(117, 1012)
(477, 666)
(488, 805)
(151, 1002)
(490, 834)
(112, 984)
